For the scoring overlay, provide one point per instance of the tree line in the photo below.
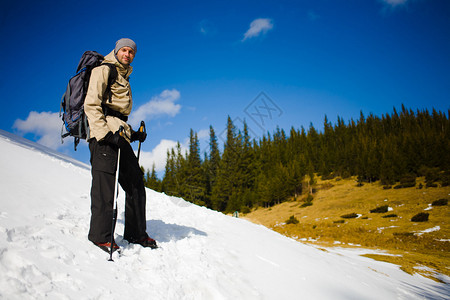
(279, 166)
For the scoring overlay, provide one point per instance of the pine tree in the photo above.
(193, 180)
(152, 180)
(227, 172)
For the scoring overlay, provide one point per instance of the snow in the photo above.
(435, 228)
(203, 254)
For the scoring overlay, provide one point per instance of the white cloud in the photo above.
(163, 104)
(158, 155)
(258, 27)
(47, 125)
(203, 134)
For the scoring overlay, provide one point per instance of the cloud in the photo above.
(158, 155)
(163, 104)
(47, 125)
(203, 134)
(258, 27)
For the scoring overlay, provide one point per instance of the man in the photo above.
(107, 112)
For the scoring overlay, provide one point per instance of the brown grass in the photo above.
(322, 224)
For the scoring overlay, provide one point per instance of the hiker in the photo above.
(107, 112)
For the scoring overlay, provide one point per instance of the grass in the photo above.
(419, 247)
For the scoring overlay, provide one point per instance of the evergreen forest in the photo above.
(393, 149)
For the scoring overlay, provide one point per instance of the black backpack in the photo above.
(72, 102)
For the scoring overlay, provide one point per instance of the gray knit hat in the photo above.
(125, 43)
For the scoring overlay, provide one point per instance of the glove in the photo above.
(138, 136)
(115, 139)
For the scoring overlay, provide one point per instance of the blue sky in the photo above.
(271, 63)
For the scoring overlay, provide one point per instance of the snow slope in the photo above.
(44, 251)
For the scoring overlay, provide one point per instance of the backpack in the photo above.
(72, 103)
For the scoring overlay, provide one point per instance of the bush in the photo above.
(390, 216)
(403, 234)
(245, 209)
(420, 217)
(292, 220)
(339, 221)
(349, 216)
(440, 202)
(408, 180)
(445, 178)
(308, 201)
(306, 204)
(431, 174)
(380, 209)
(431, 184)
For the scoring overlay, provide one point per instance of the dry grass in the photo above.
(420, 252)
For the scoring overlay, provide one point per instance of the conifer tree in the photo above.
(193, 180)
(152, 180)
(227, 173)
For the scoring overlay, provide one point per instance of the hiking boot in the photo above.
(148, 242)
(107, 246)
(145, 242)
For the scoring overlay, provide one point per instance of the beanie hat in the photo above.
(125, 43)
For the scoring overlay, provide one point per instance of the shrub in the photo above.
(408, 180)
(306, 204)
(400, 234)
(339, 221)
(431, 174)
(445, 178)
(292, 220)
(308, 201)
(440, 202)
(390, 216)
(420, 217)
(380, 209)
(245, 209)
(349, 216)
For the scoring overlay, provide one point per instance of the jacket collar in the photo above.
(125, 71)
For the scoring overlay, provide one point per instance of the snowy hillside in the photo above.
(44, 251)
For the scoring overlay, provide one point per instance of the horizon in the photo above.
(271, 63)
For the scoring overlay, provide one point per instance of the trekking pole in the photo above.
(116, 192)
(141, 129)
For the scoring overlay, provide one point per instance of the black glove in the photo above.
(138, 136)
(115, 139)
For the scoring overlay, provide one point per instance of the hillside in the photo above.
(203, 254)
(419, 247)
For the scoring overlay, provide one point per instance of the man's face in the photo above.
(125, 55)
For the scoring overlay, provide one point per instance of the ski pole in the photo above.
(116, 192)
(141, 129)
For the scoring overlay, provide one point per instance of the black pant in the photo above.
(104, 165)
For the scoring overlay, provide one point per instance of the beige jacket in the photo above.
(122, 102)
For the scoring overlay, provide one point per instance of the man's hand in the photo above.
(115, 139)
(138, 136)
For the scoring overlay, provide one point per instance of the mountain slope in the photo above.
(44, 251)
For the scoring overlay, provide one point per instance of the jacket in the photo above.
(121, 99)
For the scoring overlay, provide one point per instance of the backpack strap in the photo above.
(111, 79)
